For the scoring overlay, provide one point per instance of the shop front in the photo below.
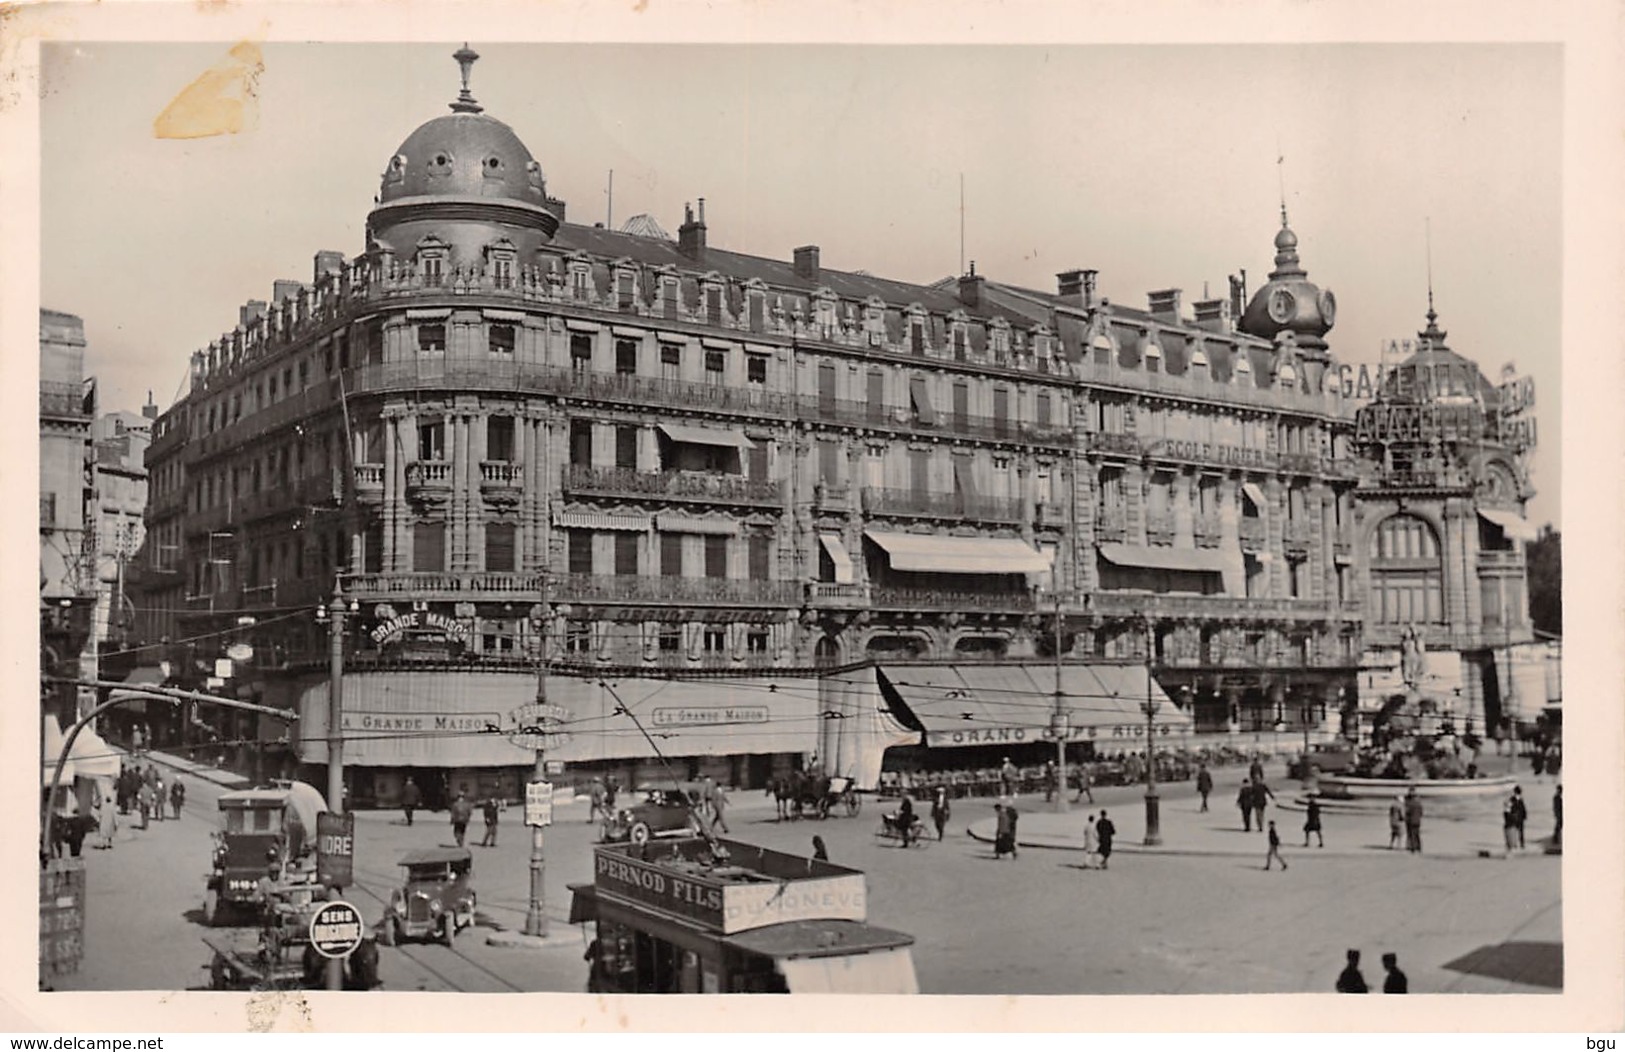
(729, 917)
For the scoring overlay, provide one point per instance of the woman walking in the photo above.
(1091, 843)
(1311, 823)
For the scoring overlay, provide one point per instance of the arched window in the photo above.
(1407, 574)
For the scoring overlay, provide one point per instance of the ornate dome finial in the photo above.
(466, 57)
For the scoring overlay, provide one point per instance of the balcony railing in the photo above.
(1122, 604)
(501, 474)
(828, 593)
(882, 501)
(989, 428)
(895, 598)
(62, 399)
(1112, 442)
(429, 474)
(432, 585)
(1300, 463)
(1111, 524)
(369, 478)
(1208, 531)
(717, 591)
(671, 485)
(832, 498)
(1493, 560)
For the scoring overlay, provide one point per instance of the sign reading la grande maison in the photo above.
(709, 715)
(428, 623)
(1116, 732)
(418, 722)
(728, 907)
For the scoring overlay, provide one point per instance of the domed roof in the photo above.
(464, 154)
(1289, 300)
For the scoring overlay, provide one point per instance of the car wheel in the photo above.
(640, 833)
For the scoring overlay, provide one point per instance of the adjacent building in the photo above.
(738, 511)
(67, 537)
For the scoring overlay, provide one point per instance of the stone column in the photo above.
(392, 492)
(1134, 479)
(1183, 506)
(408, 431)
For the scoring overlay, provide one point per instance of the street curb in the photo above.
(1119, 848)
(516, 940)
(203, 774)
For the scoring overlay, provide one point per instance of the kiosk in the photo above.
(697, 916)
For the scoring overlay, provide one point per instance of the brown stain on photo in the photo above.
(221, 101)
(265, 1013)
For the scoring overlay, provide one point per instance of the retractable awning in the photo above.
(838, 555)
(143, 676)
(930, 553)
(1254, 493)
(672, 523)
(706, 436)
(1192, 560)
(598, 520)
(958, 705)
(92, 757)
(50, 751)
(1511, 523)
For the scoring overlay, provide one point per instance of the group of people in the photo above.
(145, 792)
(1099, 834)
(1405, 816)
(1350, 981)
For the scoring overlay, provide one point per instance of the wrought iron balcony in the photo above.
(1208, 531)
(1300, 463)
(832, 498)
(492, 584)
(1224, 607)
(1112, 442)
(908, 502)
(1111, 524)
(1502, 560)
(829, 595)
(987, 428)
(702, 486)
(709, 591)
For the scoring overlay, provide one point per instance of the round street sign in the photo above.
(536, 726)
(336, 929)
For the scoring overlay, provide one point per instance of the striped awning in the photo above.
(838, 555)
(1255, 493)
(598, 520)
(930, 553)
(1511, 523)
(705, 436)
(1194, 560)
(690, 524)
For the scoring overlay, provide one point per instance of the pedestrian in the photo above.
(122, 788)
(1091, 843)
(1351, 981)
(1085, 783)
(1396, 821)
(411, 797)
(1244, 800)
(144, 801)
(461, 812)
(1274, 852)
(611, 787)
(1261, 798)
(1014, 843)
(820, 852)
(1413, 821)
(177, 795)
(595, 793)
(1509, 828)
(1520, 813)
(941, 810)
(1049, 781)
(108, 824)
(1557, 817)
(1001, 831)
(719, 807)
(1311, 822)
(490, 810)
(1107, 832)
(1008, 778)
(157, 797)
(1395, 983)
(1204, 783)
(906, 820)
(1255, 770)
(708, 796)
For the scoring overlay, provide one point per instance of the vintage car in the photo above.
(435, 902)
(661, 812)
(260, 826)
(1325, 758)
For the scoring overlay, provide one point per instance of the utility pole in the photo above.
(536, 911)
(1153, 805)
(1059, 722)
(335, 736)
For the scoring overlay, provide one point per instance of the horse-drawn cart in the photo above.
(894, 824)
(801, 792)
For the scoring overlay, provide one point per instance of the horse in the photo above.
(786, 793)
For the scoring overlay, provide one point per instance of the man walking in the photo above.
(1274, 853)
(940, 810)
(719, 805)
(1001, 830)
(177, 795)
(1014, 816)
(1311, 823)
(158, 790)
(1204, 783)
(1091, 843)
(1351, 981)
(1261, 798)
(1085, 784)
(461, 812)
(1050, 779)
(490, 810)
(1107, 832)
(1557, 817)
(1396, 821)
(1413, 821)
(1395, 983)
(1244, 800)
(1008, 777)
(1520, 813)
(411, 797)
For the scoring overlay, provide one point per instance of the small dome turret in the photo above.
(1289, 301)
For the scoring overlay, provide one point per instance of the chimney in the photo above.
(556, 206)
(970, 288)
(1165, 304)
(150, 410)
(284, 290)
(806, 265)
(1077, 287)
(249, 313)
(328, 262)
(691, 235)
(1238, 294)
(1213, 315)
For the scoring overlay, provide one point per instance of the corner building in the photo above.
(770, 509)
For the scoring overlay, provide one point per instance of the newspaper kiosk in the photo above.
(698, 916)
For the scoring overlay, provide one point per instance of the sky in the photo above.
(1158, 165)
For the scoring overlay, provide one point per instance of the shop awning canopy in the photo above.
(1511, 523)
(958, 705)
(1255, 493)
(599, 520)
(1193, 560)
(583, 903)
(674, 523)
(49, 753)
(838, 555)
(705, 436)
(92, 757)
(931, 553)
(142, 676)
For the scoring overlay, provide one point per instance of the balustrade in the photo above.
(828, 593)
(893, 597)
(882, 501)
(1299, 531)
(369, 478)
(501, 473)
(717, 591)
(429, 585)
(429, 474)
(673, 485)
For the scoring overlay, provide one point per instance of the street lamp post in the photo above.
(536, 910)
(1153, 804)
(335, 736)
